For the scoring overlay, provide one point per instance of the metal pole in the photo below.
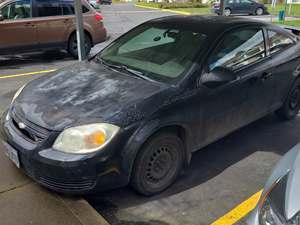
(222, 6)
(285, 8)
(79, 30)
(273, 9)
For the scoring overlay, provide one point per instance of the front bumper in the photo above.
(62, 172)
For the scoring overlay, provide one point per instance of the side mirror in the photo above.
(1, 17)
(217, 77)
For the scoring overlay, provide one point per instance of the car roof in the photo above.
(209, 25)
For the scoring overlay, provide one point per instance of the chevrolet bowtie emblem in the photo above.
(21, 125)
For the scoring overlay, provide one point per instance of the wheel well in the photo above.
(181, 133)
(86, 32)
(175, 129)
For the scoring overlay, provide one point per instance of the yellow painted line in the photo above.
(146, 7)
(240, 211)
(164, 10)
(26, 74)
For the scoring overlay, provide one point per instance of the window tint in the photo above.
(68, 8)
(238, 49)
(278, 41)
(150, 38)
(161, 52)
(17, 10)
(48, 8)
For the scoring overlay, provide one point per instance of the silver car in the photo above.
(280, 200)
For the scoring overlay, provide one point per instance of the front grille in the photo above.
(29, 130)
(72, 185)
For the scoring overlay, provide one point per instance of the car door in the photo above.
(232, 105)
(285, 61)
(244, 6)
(50, 23)
(18, 32)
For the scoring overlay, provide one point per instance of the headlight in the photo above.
(86, 138)
(272, 205)
(17, 93)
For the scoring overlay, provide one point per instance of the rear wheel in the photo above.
(73, 47)
(158, 164)
(291, 106)
(259, 11)
(227, 12)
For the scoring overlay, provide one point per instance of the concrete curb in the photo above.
(82, 210)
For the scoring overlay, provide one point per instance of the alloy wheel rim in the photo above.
(227, 12)
(259, 12)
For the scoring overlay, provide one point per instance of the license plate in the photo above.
(13, 155)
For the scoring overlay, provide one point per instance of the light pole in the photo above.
(79, 30)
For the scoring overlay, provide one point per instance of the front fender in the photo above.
(142, 134)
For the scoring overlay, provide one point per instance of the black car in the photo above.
(137, 111)
(240, 7)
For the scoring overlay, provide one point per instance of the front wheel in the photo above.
(73, 47)
(158, 164)
(291, 106)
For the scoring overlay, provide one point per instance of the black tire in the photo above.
(72, 45)
(291, 106)
(158, 164)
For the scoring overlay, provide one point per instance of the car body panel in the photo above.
(11, 38)
(80, 88)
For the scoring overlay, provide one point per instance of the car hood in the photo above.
(290, 163)
(82, 93)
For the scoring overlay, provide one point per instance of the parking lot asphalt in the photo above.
(221, 176)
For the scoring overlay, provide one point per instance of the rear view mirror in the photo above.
(1, 17)
(217, 77)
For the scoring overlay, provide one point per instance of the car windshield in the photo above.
(159, 52)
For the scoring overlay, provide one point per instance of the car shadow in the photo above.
(267, 134)
(17, 61)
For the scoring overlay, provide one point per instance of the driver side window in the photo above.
(17, 10)
(238, 49)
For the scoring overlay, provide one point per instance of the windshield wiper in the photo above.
(104, 62)
(134, 72)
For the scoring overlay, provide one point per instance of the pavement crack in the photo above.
(16, 187)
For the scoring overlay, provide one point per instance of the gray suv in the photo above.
(240, 7)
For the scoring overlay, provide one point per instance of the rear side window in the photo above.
(68, 8)
(17, 10)
(278, 41)
(48, 8)
(238, 49)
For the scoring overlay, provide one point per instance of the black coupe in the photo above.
(136, 111)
